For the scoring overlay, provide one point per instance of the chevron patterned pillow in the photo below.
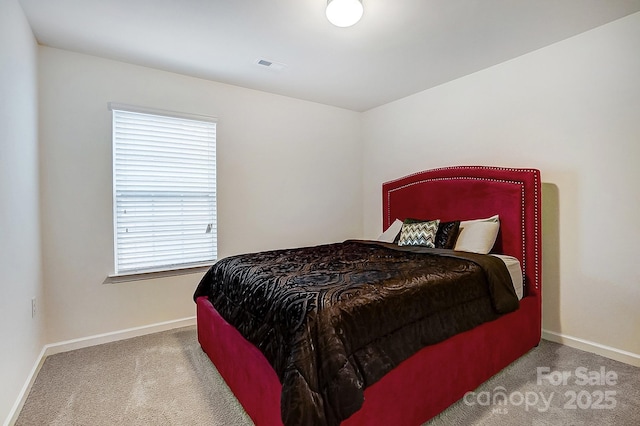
(419, 233)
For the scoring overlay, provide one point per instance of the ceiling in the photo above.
(400, 47)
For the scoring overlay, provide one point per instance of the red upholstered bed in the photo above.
(438, 375)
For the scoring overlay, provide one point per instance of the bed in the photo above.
(436, 375)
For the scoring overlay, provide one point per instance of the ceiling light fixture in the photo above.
(344, 13)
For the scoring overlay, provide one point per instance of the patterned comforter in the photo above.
(333, 319)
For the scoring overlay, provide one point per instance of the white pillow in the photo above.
(392, 232)
(478, 236)
(494, 218)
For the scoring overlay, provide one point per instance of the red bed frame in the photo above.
(438, 375)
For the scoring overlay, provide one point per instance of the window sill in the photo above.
(148, 275)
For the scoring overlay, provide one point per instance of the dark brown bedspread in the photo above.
(333, 319)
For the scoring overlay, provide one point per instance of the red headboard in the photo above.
(473, 192)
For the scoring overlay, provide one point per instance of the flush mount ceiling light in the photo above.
(344, 13)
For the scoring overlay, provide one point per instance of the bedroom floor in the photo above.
(166, 379)
(157, 379)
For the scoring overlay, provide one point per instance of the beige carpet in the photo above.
(158, 379)
(573, 392)
(166, 379)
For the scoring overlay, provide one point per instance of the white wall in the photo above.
(20, 279)
(289, 174)
(573, 111)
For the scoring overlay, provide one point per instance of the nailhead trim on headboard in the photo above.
(536, 218)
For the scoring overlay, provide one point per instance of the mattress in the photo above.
(515, 271)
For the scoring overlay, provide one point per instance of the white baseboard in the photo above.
(24, 392)
(593, 347)
(99, 339)
(85, 342)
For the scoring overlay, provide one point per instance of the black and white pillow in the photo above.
(419, 233)
(445, 237)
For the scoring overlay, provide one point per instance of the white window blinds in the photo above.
(164, 172)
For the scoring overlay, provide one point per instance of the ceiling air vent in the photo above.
(272, 65)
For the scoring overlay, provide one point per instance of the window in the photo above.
(164, 186)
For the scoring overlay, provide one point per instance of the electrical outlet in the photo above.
(33, 307)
